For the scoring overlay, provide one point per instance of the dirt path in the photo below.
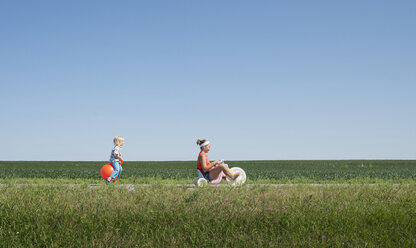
(189, 186)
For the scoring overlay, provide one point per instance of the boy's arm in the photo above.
(117, 156)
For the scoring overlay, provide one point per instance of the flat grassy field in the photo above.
(332, 204)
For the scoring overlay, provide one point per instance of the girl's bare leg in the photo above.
(217, 170)
(214, 173)
(234, 176)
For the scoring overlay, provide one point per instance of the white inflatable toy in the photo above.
(200, 180)
(240, 180)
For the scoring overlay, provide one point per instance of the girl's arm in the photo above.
(204, 166)
(216, 162)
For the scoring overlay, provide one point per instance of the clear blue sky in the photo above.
(260, 79)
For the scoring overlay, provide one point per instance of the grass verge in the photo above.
(160, 216)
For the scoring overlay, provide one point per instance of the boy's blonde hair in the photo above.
(117, 140)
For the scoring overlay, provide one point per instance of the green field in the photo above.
(257, 171)
(333, 204)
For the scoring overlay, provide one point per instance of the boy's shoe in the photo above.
(108, 180)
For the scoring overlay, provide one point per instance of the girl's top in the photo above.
(116, 150)
(198, 164)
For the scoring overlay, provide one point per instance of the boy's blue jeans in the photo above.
(117, 169)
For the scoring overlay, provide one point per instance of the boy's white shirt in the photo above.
(116, 150)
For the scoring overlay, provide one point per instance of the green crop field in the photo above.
(332, 204)
(257, 171)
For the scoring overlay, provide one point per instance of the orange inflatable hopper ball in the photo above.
(107, 170)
